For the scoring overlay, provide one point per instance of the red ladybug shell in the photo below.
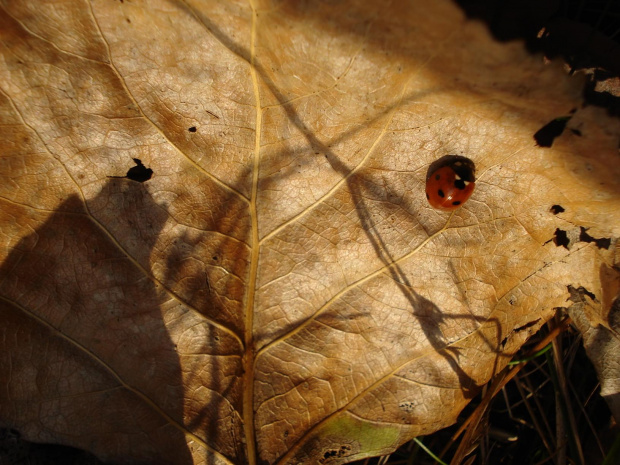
(449, 187)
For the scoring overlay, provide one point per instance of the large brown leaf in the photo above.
(279, 291)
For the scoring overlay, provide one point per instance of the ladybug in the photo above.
(450, 183)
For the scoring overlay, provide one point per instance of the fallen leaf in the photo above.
(601, 332)
(279, 290)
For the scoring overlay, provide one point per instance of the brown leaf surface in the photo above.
(279, 291)
(601, 333)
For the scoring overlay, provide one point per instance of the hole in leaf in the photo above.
(602, 243)
(561, 238)
(545, 136)
(527, 325)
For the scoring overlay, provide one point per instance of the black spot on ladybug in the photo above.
(437, 177)
(560, 238)
(459, 184)
(192, 129)
(456, 203)
(602, 243)
(440, 193)
(427, 197)
(555, 209)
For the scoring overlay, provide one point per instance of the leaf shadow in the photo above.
(87, 309)
(217, 420)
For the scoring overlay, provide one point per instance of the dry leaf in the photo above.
(279, 290)
(601, 333)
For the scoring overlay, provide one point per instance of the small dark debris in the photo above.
(139, 173)
(335, 453)
(192, 129)
(555, 209)
(407, 406)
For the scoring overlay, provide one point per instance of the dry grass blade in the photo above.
(470, 426)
